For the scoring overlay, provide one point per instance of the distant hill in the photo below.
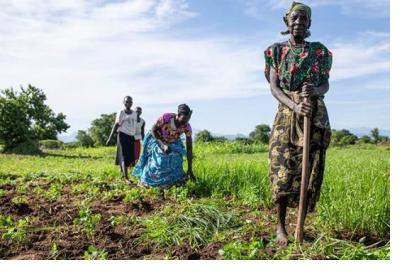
(230, 136)
(360, 131)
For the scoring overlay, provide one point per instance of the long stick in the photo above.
(305, 178)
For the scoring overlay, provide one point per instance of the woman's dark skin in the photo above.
(298, 23)
(127, 104)
(180, 119)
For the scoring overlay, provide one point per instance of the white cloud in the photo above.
(86, 55)
(369, 54)
(369, 8)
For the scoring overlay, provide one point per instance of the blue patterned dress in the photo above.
(157, 169)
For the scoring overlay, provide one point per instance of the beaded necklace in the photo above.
(293, 51)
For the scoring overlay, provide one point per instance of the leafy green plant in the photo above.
(117, 220)
(93, 253)
(53, 193)
(54, 253)
(240, 250)
(132, 196)
(86, 188)
(22, 189)
(2, 193)
(19, 200)
(110, 195)
(87, 220)
(13, 230)
(38, 191)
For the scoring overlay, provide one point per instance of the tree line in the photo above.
(27, 123)
(261, 135)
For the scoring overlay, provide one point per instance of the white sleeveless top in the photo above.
(138, 131)
(127, 122)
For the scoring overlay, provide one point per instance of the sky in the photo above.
(87, 55)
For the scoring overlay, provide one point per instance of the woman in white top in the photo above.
(125, 125)
(139, 133)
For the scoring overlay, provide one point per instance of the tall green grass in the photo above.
(241, 177)
(193, 224)
(355, 195)
(229, 147)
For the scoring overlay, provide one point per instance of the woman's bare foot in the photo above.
(282, 238)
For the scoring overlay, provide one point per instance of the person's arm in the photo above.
(114, 129)
(164, 147)
(143, 131)
(321, 90)
(189, 157)
(303, 108)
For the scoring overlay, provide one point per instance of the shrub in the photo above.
(51, 144)
(28, 147)
(261, 134)
(204, 136)
(84, 140)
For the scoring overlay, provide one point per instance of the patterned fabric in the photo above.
(293, 67)
(157, 169)
(167, 131)
(285, 160)
(299, 6)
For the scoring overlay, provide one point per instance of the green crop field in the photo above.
(71, 204)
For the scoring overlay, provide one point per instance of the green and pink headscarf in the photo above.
(297, 6)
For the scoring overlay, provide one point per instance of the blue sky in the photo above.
(86, 55)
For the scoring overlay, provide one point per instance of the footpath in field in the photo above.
(70, 204)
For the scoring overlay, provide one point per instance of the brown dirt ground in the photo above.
(52, 222)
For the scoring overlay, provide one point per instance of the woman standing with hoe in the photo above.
(295, 69)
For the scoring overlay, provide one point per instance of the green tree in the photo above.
(365, 139)
(204, 136)
(220, 139)
(243, 140)
(343, 137)
(260, 134)
(101, 128)
(384, 139)
(25, 119)
(348, 140)
(84, 140)
(375, 135)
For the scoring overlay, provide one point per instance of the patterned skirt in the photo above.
(285, 160)
(157, 169)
